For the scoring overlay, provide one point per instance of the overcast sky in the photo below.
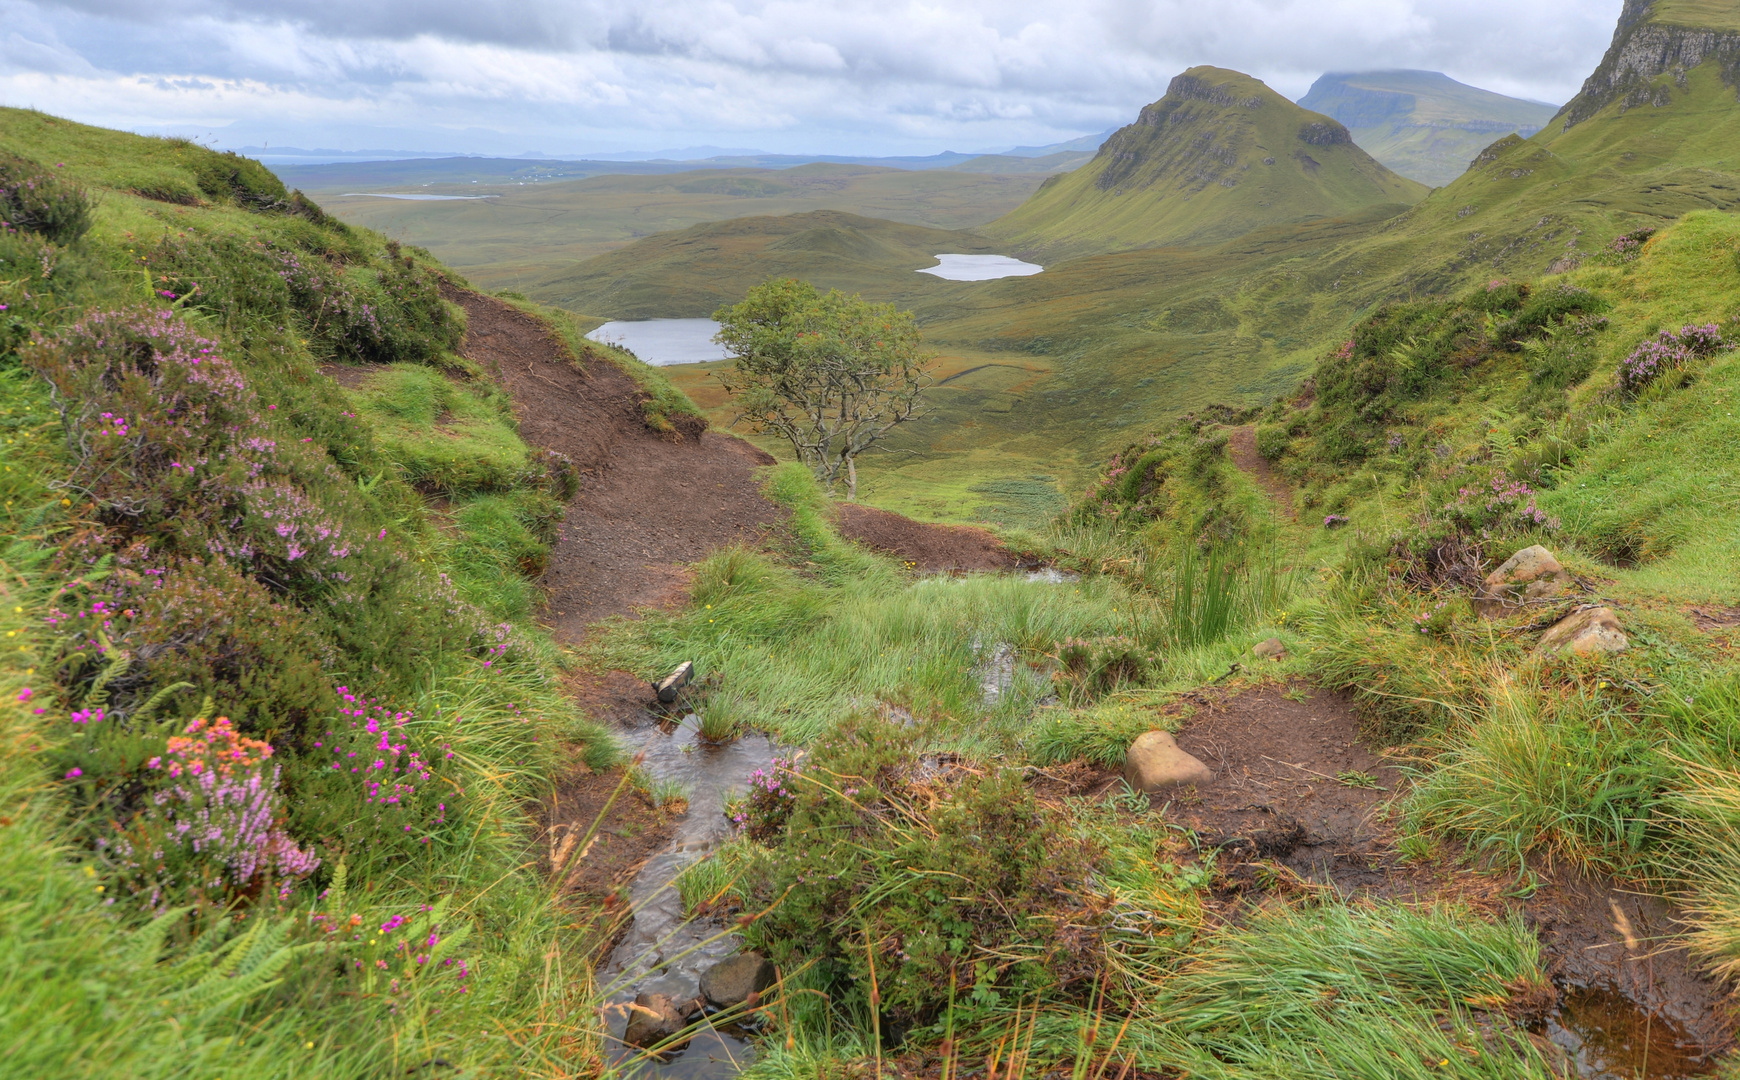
(821, 76)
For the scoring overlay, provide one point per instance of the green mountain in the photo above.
(1219, 155)
(1423, 124)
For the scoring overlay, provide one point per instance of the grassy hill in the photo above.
(1423, 124)
(237, 593)
(530, 226)
(1219, 155)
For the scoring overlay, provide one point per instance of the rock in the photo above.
(1271, 649)
(737, 979)
(1585, 631)
(1532, 575)
(652, 1019)
(668, 687)
(1155, 764)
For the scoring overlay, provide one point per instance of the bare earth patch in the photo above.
(1241, 443)
(649, 504)
(929, 548)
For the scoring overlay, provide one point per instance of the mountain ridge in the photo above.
(1218, 155)
(1422, 124)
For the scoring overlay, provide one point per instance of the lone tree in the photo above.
(829, 373)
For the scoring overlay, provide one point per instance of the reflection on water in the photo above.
(663, 342)
(660, 953)
(980, 267)
(1607, 1037)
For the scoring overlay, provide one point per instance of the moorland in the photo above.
(1345, 685)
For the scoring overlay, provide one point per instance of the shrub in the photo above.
(212, 823)
(1670, 351)
(230, 176)
(965, 867)
(35, 200)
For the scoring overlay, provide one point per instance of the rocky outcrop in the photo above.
(1190, 88)
(1325, 133)
(1156, 764)
(1531, 576)
(1584, 632)
(1641, 52)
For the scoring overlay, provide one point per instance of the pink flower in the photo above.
(26, 694)
(74, 773)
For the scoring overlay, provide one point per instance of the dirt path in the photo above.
(648, 505)
(924, 547)
(1241, 442)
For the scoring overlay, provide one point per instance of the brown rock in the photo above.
(736, 979)
(1155, 764)
(1585, 631)
(1271, 649)
(1532, 575)
(652, 1019)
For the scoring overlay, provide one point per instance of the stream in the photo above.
(661, 952)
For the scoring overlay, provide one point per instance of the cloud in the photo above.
(901, 76)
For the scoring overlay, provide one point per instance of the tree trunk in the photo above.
(851, 479)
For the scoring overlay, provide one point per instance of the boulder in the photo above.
(1271, 649)
(737, 979)
(1585, 631)
(1532, 575)
(652, 1019)
(1155, 764)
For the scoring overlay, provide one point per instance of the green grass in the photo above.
(252, 983)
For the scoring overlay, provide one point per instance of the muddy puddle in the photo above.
(661, 952)
(1603, 1035)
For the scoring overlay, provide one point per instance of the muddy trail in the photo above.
(1241, 443)
(1302, 803)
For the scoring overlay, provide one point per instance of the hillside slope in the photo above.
(1422, 124)
(1219, 155)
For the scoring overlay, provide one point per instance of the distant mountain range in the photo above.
(1423, 124)
(1055, 157)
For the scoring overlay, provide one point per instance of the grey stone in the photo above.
(1532, 575)
(1155, 764)
(737, 979)
(1271, 649)
(671, 685)
(1585, 631)
(652, 1019)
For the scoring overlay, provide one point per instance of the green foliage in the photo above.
(828, 373)
(880, 869)
(33, 199)
(196, 521)
(1405, 984)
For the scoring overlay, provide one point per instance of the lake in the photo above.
(663, 342)
(980, 267)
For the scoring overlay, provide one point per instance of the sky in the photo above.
(886, 77)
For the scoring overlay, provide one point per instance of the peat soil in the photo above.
(1301, 802)
(650, 503)
(924, 547)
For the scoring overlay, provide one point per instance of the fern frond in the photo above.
(99, 692)
(147, 941)
(143, 712)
